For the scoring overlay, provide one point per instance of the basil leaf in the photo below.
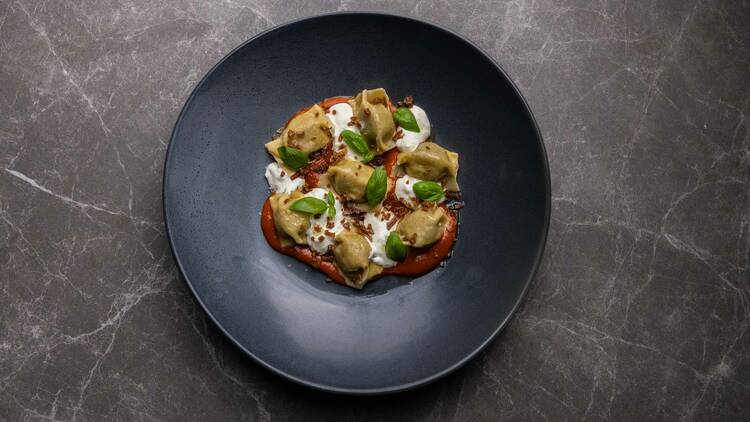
(428, 191)
(358, 144)
(309, 205)
(331, 205)
(355, 141)
(292, 157)
(376, 187)
(395, 248)
(368, 157)
(405, 118)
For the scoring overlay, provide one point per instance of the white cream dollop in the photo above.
(380, 231)
(340, 115)
(411, 140)
(405, 190)
(319, 235)
(281, 182)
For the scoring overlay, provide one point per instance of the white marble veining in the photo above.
(641, 307)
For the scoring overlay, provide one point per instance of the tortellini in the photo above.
(423, 227)
(349, 178)
(273, 148)
(430, 161)
(336, 229)
(290, 225)
(371, 108)
(352, 252)
(309, 131)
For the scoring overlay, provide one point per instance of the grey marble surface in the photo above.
(640, 311)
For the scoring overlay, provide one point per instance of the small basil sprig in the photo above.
(405, 118)
(331, 205)
(395, 248)
(293, 157)
(376, 187)
(309, 205)
(368, 157)
(428, 191)
(358, 144)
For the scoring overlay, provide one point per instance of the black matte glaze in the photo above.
(396, 333)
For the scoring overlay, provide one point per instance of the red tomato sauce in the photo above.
(302, 253)
(418, 262)
(430, 257)
(330, 102)
(389, 160)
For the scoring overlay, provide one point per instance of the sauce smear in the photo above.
(302, 253)
(418, 262)
(330, 102)
(415, 264)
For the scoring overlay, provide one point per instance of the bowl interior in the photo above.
(396, 332)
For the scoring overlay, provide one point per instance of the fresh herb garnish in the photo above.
(376, 187)
(395, 248)
(293, 157)
(309, 205)
(368, 157)
(358, 144)
(428, 191)
(331, 205)
(405, 118)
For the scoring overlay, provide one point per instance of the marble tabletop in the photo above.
(640, 310)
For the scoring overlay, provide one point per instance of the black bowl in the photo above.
(397, 333)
